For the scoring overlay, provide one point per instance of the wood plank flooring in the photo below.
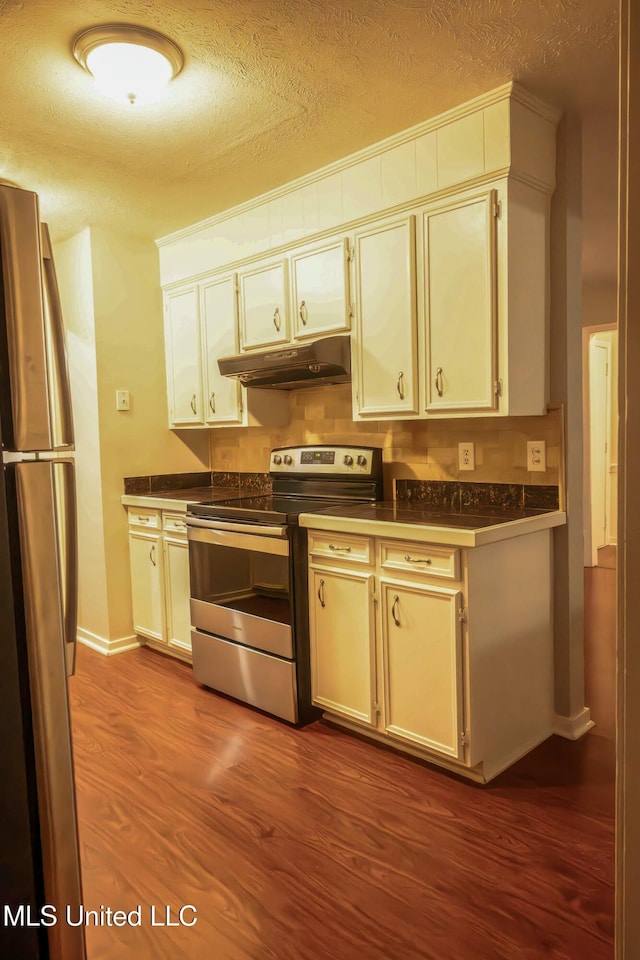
(600, 601)
(316, 845)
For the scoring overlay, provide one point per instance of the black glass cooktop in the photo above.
(264, 509)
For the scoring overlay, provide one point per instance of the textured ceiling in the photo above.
(271, 89)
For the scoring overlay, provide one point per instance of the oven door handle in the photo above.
(238, 539)
(261, 530)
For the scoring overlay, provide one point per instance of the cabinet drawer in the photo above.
(343, 547)
(141, 517)
(174, 523)
(420, 558)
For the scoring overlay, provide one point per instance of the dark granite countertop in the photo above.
(418, 513)
(165, 499)
(416, 521)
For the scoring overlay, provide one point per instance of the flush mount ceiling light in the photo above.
(129, 64)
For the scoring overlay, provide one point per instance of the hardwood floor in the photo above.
(315, 845)
(600, 601)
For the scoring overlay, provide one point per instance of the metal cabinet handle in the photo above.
(439, 385)
(193, 403)
(212, 403)
(276, 319)
(303, 313)
(396, 601)
(332, 546)
(321, 593)
(143, 519)
(416, 559)
(152, 554)
(400, 385)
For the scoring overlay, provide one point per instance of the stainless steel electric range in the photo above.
(248, 572)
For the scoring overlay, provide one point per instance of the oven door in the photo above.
(241, 583)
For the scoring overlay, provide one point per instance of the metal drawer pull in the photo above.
(415, 559)
(332, 546)
(400, 385)
(439, 386)
(152, 554)
(179, 525)
(143, 519)
(321, 593)
(276, 319)
(212, 403)
(193, 403)
(303, 312)
(396, 601)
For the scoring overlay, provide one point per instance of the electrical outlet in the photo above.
(466, 456)
(122, 399)
(536, 456)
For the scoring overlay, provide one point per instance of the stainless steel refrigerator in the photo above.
(39, 856)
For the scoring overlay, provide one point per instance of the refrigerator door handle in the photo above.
(58, 374)
(65, 493)
(43, 488)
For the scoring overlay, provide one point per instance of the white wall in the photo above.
(111, 301)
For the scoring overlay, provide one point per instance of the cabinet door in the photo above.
(320, 290)
(386, 336)
(147, 584)
(342, 644)
(176, 553)
(263, 306)
(460, 304)
(423, 665)
(184, 369)
(219, 321)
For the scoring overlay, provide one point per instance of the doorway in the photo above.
(600, 354)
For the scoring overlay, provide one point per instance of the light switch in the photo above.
(122, 399)
(536, 456)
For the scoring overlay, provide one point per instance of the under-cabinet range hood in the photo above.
(287, 368)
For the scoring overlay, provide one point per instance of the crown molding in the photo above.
(499, 94)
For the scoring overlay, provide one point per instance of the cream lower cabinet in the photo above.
(159, 558)
(342, 649)
(445, 652)
(422, 665)
(147, 584)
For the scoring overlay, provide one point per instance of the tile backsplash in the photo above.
(412, 449)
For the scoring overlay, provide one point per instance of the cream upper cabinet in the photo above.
(385, 352)
(183, 356)
(460, 303)
(342, 643)
(264, 317)
(320, 289)
(218, 305)
(422, 657)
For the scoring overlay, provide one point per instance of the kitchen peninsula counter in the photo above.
(414, 521)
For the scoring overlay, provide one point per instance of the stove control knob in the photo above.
(361, 461)
(277, 459)
(288, 459)
(347, 460)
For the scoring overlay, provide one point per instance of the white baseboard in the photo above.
(572, 728)
(107, 647)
